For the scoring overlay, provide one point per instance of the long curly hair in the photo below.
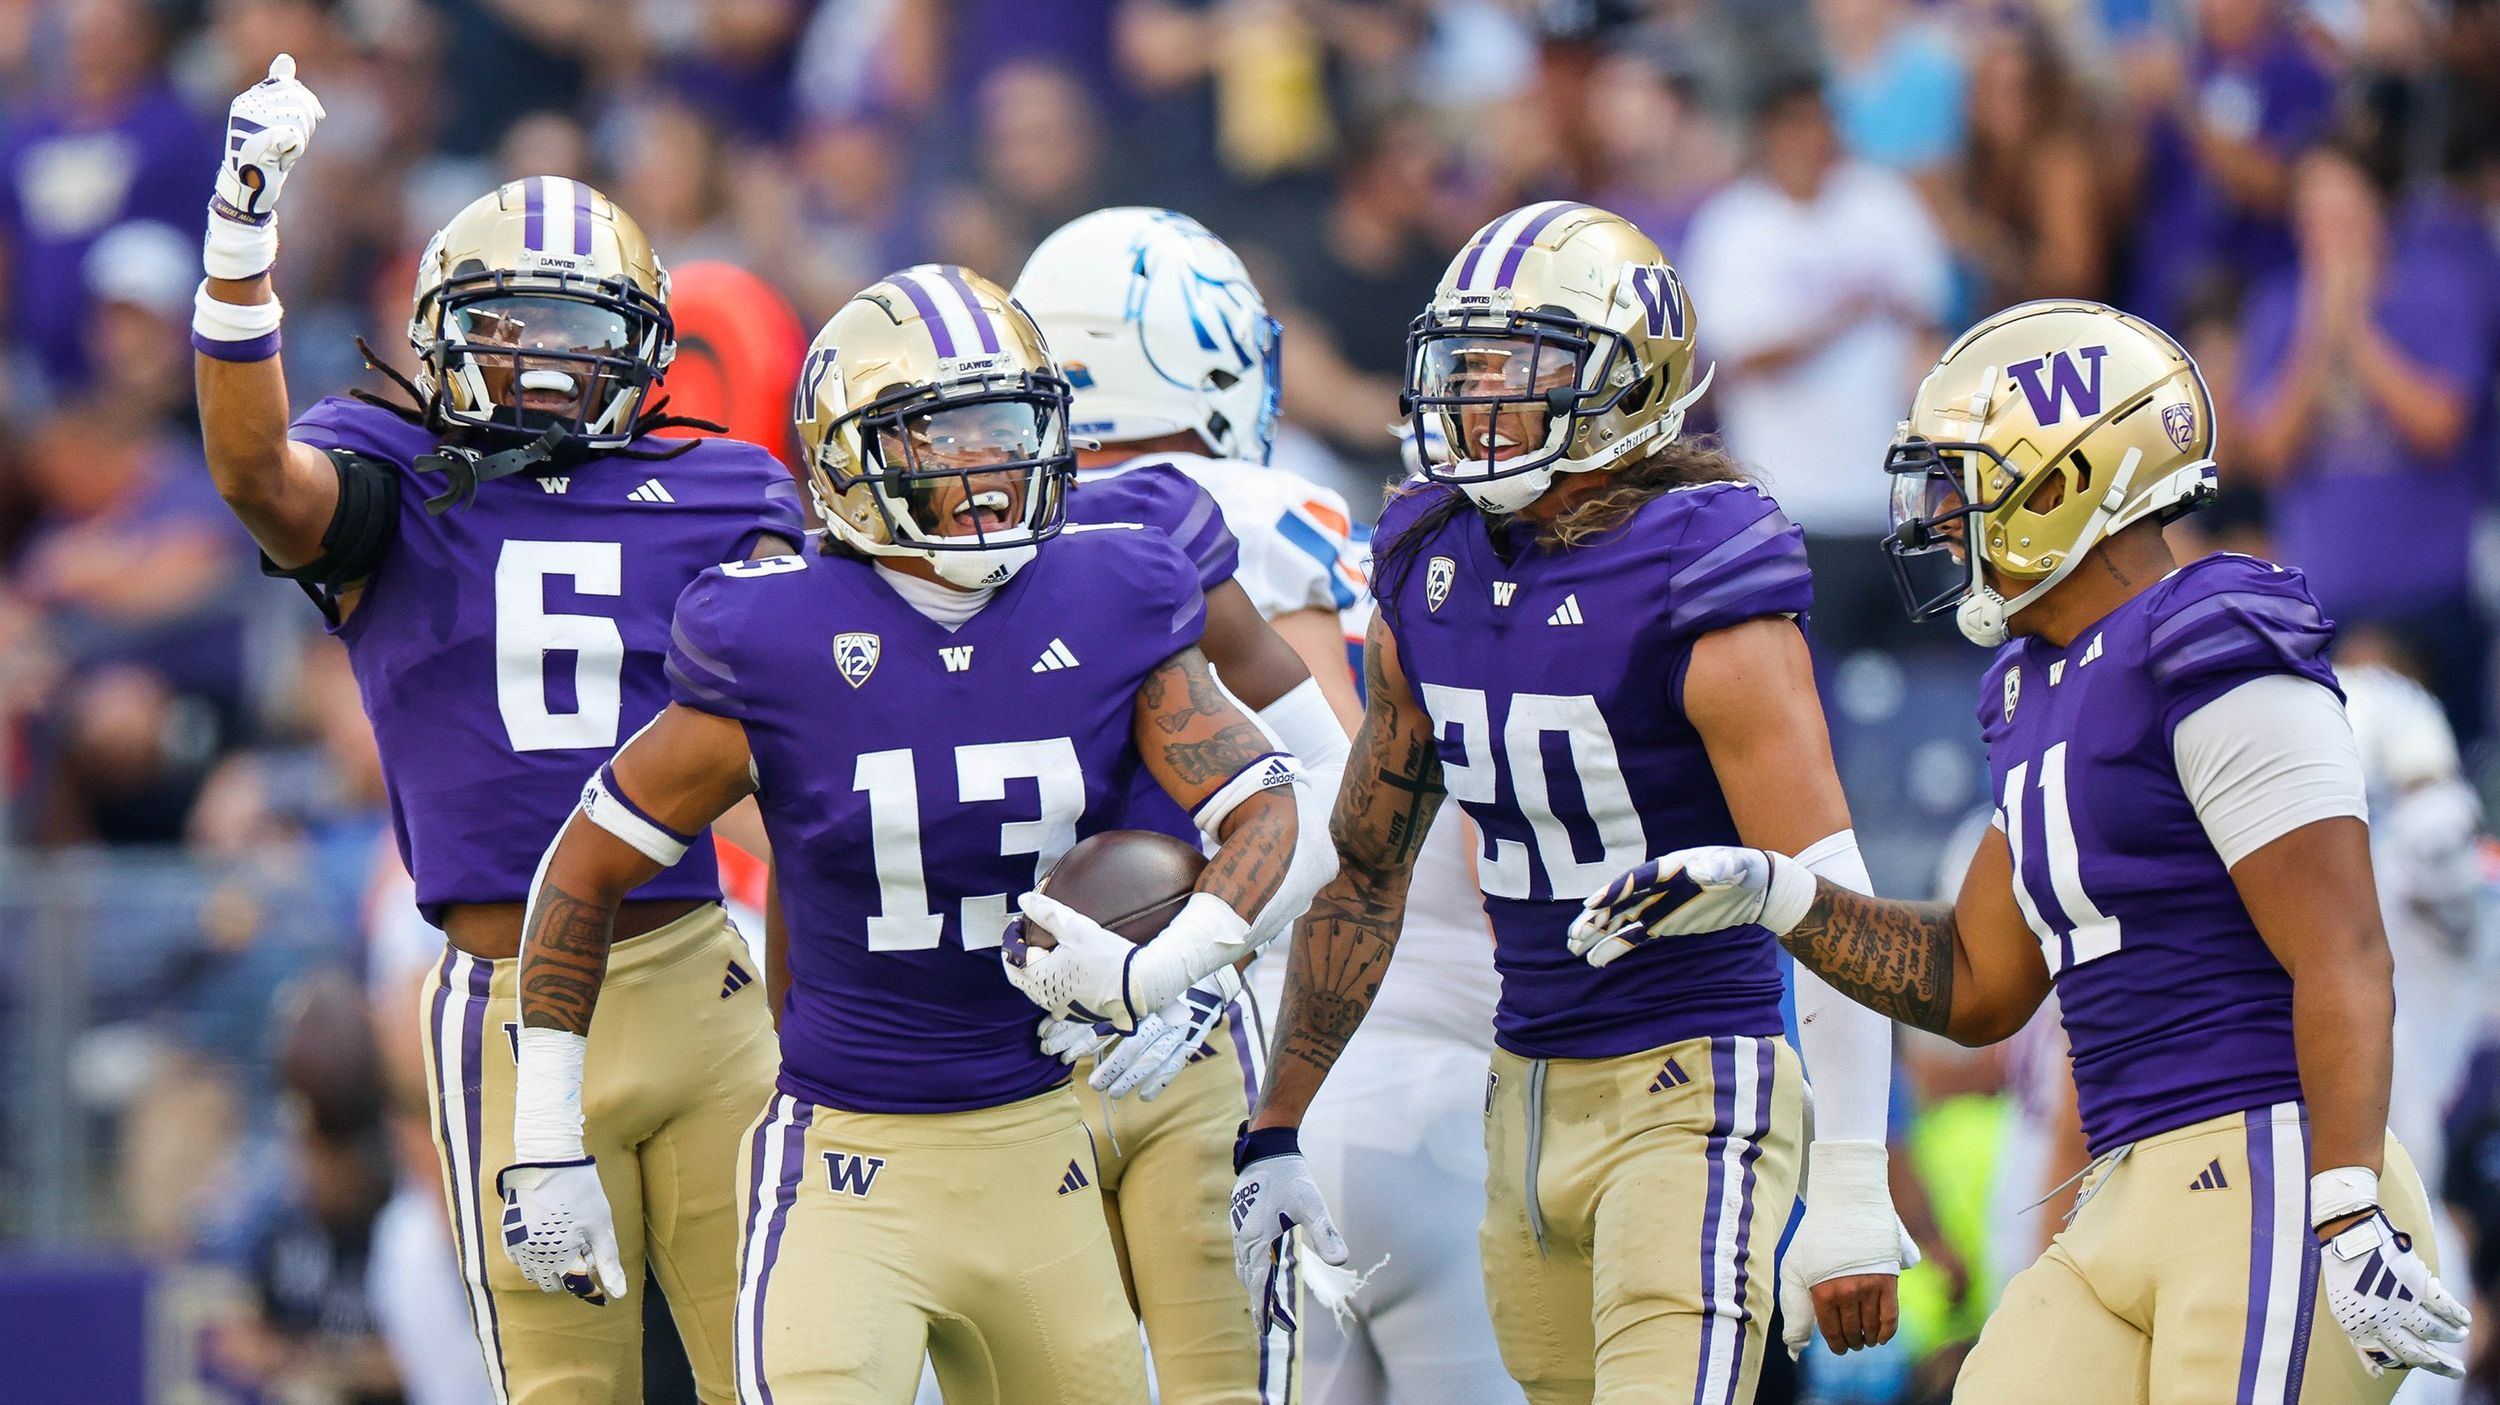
(1679, 463)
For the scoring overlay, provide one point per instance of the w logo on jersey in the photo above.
(855, 656)
(1662, 299)
(852, 1175)
(555, 483)
(958, 657)
(2051, 382)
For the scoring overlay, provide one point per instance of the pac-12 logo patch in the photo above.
(855, 655)
(1438, 573)
(2180, 422)
(2013, 689)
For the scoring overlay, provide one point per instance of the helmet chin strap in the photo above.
(1506, 495)
(1985, 617)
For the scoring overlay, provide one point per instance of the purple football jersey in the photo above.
(916, 781)
(1554, 680)
(1161, 496)
(2174, 1008)
(504, 649)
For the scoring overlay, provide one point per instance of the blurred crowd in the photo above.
(2306, 191)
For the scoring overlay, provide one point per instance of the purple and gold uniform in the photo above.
(503, 651)
(923, 1181)
(1640, 1110)
(1167, 1164)
(2188, 1267)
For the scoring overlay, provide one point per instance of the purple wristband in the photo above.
(1258, 1145)
(259, 348)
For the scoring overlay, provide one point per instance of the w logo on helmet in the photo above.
(1662, 299)
(819, 361)
(2050, 382)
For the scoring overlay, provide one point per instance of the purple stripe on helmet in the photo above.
(980, 316)
(2260, 1126)
(534, 212)
(2304, 1308)
(473, 1096)
(259, 348)
(793, 1150)
(1764, 1072)
(581, 219)
(1241, 1052)
(1722, 1121)
(1519, 246)
(1475, 251)
(927, 307)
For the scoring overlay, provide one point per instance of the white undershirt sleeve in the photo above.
(2266, 758)
(1847, 1047)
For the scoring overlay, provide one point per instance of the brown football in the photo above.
(1129, 880)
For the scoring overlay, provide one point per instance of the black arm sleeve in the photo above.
(360, 532)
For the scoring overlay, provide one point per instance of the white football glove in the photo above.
(1849, 1229)
(1145, 1063)
(267, 128)
(1273, 1194)
(1084, 977)
(2390, 1305)
(1070, 1040)
(1689, 892)
(557, 1230)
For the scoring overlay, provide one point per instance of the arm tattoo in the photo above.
(1192, 707)
(564, 957)
(1895, 958)
(1342, 947)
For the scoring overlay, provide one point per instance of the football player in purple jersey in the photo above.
(930, 708)
(500, 556)
(2181, 851)
(1587, 633)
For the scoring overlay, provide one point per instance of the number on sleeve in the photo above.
(526, 632)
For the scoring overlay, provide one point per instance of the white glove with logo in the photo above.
(1689, 892)
(1145, 1063)
(1273, 1193)
(557, 1230)
(267, 128)
(1084, 977)
(2390, 1305)
(1849, 1229)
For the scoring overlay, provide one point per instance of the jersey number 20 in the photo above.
(1463, 719)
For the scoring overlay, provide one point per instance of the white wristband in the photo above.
(2344, 1190)
(547, 1096)
(1790, 894)
(1204, 935)
(237, 250)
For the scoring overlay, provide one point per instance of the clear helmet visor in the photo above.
(546, 359)
(1931, 513)
(975, 475)
(1496, 398)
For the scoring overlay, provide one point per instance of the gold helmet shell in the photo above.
(541, 306)
(1558, 323)
(935, 379)
(2043, 429)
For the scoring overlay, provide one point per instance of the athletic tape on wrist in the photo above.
(235, 249)
(2341, 1191)
(234, 331)
(547, 1095)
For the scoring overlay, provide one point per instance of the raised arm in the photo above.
(286, 493)
(637, 817)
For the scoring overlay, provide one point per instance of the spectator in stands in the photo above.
(1819, 281)
(139, 279)
(1041, 164)
(2366, 373)
(111, 142)
(2217, 128)
(1660, 152)
(2024, 206)
(1898, 85)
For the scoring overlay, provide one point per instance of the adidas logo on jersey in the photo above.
(1568, 612)
(555, 483)
(737, 980)
(651, 491)
(958, 657)
(852, 1175)
(1074, 1180)
(1055, 658)
(1672, 1076)
(1503, 591)
(2211, 1177)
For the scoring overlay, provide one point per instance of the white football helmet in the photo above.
(1158, 328)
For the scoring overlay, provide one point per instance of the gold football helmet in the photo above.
(2044, 429)
(541, 308)
(935, 425)
(1559, 341)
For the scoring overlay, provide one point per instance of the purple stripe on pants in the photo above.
(581, 218)
(980, 318)
(793, 1150)
(1241, 1052)
(534, 213)
(1753, 1152)
(2306, 1314)
(472, 1094)
(2260, 1125)
(1519, 246)
(1722, 1122)
(927, 307)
